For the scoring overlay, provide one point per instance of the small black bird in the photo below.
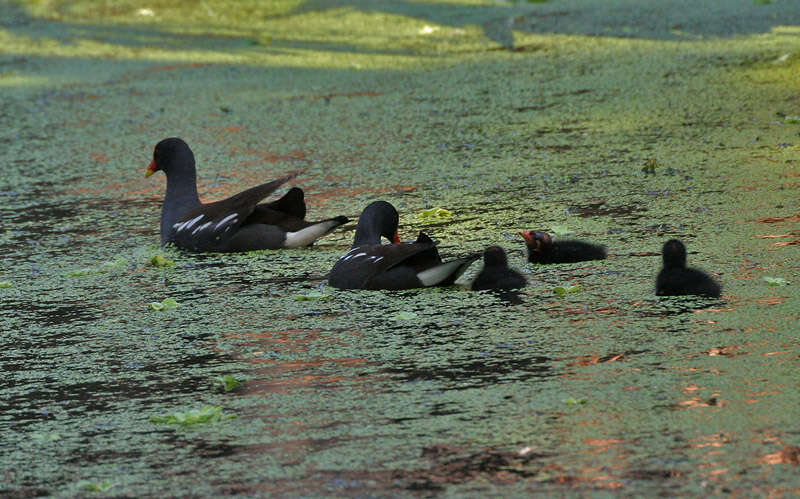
(542, 249)
(496, 274)
(677, 279)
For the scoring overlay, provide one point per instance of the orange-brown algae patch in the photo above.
(788, 455)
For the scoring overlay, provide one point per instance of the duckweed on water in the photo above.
(405, 316)
(164, 305)
(160, 261)
(562, 291)
(5, 284)
(775, 281)
(208, 414)
(227, 382)
(342, 397)
(312, 295)
(103, 486)
(434, 215)
(116, 263)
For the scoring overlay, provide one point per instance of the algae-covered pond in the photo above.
(622, 122)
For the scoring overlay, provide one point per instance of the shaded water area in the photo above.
(626, 124)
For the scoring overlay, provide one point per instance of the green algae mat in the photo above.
(133, 370)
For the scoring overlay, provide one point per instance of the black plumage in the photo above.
(372, 265)
(542, 249)
(238, 223)
(496, 274)
(675, 278)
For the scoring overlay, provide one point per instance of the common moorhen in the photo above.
(496, 274)
(675, 278)
(542, 249)
(372, 265)
(238, 223)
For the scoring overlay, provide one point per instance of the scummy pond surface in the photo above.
(611, 135)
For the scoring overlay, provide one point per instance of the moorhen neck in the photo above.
(238, 223)
(372, 265)
(675, 278)
(496, 274)
(542, 249)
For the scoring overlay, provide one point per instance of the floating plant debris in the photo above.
(228, 382)
(164, 305)
(561, 290)
(434, 214)
(775, 281)
(312, 295)
(208, 414)
(160, 261)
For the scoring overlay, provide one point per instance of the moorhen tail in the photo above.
(542, 249)
(372, 265)
(675, 278)
(238, 223)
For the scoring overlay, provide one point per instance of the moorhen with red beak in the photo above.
(542, 249)
(238, 223)
(372, 265)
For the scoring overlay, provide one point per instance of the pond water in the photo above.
(421, 392)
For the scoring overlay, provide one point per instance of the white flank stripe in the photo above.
(378, 259)
(354, 256)
(201, 227)
(188, 224)
(222, 222)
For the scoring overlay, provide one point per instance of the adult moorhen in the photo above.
(372, 265)
(542, 249)
(238, 223)
(677, 279)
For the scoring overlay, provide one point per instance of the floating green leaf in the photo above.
(96, 486)
(793, 120)
(434, 214)
(228, 382)
(160, 261)
(775, 281)
(560, 230)
(312, 295)
(5, 284)
(208, 414)
(103, 267)
(574, 401)
(46, 436)
(561, 291)
(164, 305)
(404, 316)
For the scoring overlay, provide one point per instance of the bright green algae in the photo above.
(625, 123)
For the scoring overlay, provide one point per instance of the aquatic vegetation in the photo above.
(227, 383)
(311, 296)
(775, 281)
(164, 305)
(5, 284)
(51, 436)
(405, 316)
(110, 265)
(434, 215)
(160, 261)
(208, 414)
(562, 290)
